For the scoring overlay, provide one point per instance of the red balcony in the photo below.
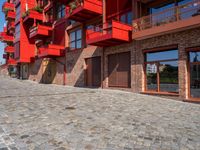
(9, 49)
(4, 37)
(175, 19)
(40, 32)
(51, 51)
(10, 15)
(11, 61)
(5, 56)
(109, 34)
(11, 25)
(83, 10)
(8, 6)
(32, 16)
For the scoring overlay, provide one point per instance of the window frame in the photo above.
(157, 63)
(192, 49)
(76, 40)
(61, 11)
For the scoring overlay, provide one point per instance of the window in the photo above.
(76, 39)
(17, 31)
(194, 59)
(127, 18)
(49, 16)
(162, 71)
(18, 13)
(61, 11)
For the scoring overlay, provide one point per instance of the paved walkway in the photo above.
(47, 117)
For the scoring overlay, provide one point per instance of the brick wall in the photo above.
(37, 70)
(184, 39)
(75, 61)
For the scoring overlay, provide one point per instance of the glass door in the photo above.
(194, 68)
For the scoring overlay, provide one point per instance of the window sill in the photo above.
(160, 93)
(192, 100)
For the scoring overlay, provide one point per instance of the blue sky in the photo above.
(2, 21)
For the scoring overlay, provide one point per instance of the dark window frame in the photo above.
(61, 11)
(76, 40)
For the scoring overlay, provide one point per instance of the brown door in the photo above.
(112, 69)
(119, 70)
(93, 72)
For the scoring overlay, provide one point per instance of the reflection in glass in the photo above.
(165, 55)
(162, 71)
(168, 76)
(194, 56)
(195, 80)
(151, 74)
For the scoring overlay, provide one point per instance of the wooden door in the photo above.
(93, 72)
(119, 70)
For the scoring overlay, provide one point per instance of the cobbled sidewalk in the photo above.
(51, 117)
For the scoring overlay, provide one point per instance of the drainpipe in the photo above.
(102, 85)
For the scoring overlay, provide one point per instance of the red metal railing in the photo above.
(34, 30)
(174, 14)
(106, 29)
(78, 3)
(5, 37)
(8, 6)
(11, 14)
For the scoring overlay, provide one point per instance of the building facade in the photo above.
(144, 46)
(7, 36)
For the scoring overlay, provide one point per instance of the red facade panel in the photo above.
(59, 34)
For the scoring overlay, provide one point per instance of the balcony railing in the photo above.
(108, 34)
(171, 15)
(5, 37)
(40, 31)
(11, 61)
(11, 25)
(50, 50)
(31, 15)
(8, 6)
(9, 49)
(82, 10)
(10, 15)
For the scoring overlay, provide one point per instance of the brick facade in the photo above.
(76, 66)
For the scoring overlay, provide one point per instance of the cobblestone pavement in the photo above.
(45, 117)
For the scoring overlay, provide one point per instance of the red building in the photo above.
(144, 46)
(7, 36)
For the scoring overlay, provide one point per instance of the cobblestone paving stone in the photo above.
(47, 117)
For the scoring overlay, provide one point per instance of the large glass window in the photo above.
(162, 71)
(75, 39)
(61, 11)
(127, 18)
(17, 31)
(18, 13)
(195, 74)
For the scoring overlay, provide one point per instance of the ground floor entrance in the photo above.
(119, 66)
(93, 72)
